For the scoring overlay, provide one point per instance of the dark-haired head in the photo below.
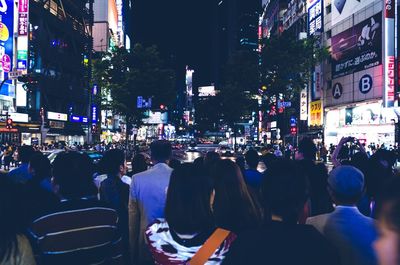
(188, 205)
(11, 223)
(268, 158)
(72, 174)
(139, 163)
(113, 163)
(234, 208)
(307, 149)
(161, 151)
(284, 190)
(211, 158)
(252, 158)
(39, 166)
(388, 208)
(25, 152)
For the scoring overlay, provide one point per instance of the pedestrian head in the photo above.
(252, 158)
(113, 163)
(211, 158)
(306, 149)
(139, 163)
(268, 158)
(39, 166)
(161, 151)
(234, 208)
(284, 190)
(72, 175)
(346, 185)
(387, 246)
(189, 199)
(24, 153)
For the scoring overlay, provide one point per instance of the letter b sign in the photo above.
(365, 84)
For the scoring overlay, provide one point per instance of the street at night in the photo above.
(232, 132)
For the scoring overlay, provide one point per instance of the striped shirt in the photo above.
(81, 231)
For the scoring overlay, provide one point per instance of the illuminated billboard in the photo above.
(6, 41)
(315, 18)
(155, 117)
(358, 48)
(207, 91)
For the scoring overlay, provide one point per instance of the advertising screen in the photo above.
(6, 40)
(357, 48)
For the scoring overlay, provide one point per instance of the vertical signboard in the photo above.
(315, 17)
(22, 43)
(303, 105)
(6, 40)
(389, 55)
(316, 113)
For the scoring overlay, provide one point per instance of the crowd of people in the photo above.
(211, 211)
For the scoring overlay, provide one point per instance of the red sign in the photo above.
(23, 24)
(389, 8)
(390, 78)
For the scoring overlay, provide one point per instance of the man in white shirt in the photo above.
(147, 199)
(346, 228)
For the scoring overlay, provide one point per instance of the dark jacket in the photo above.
(281, 243)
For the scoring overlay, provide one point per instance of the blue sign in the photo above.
(315, 18)
(365, 84)
(94, 114)
(139, 103)
(293, 121)
(80, 119)
(6, 40)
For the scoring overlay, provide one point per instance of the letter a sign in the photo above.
(337, 91)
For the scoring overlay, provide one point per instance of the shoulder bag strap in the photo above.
(209, 247)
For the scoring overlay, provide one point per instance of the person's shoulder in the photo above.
(318, 218)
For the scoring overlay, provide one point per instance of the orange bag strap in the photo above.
(209, 247)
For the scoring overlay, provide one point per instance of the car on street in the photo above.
(225, 150)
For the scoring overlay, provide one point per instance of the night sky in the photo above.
(184, 32)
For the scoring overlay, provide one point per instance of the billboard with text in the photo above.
(357, 48)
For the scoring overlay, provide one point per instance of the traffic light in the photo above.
(293, 130)
(29, 80)
(293, 125)
(9, 123)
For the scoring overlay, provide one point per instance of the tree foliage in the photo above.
(241, 81)
(123, 76)
(287, 62)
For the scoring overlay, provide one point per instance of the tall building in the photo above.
(52, 47)
(359, 83)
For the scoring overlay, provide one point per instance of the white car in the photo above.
(225, 150)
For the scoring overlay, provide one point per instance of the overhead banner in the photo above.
(390, 60)
(358, 48)
(342, 9)
(6, 41)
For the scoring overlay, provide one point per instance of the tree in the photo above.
(287, 62)
(241, 82)
(123, 76)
